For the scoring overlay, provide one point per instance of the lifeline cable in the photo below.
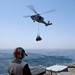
(38, 29)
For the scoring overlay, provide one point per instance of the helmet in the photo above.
(19, 53)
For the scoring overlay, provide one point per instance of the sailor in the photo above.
(17, 66)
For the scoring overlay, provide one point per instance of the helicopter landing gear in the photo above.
(33, 21)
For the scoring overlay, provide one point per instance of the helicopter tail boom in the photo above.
(47, 24)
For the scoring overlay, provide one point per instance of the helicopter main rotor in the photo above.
(33, 9)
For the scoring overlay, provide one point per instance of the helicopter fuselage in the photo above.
(37, 18)
(40, 19)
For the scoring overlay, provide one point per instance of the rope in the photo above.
(38, 29)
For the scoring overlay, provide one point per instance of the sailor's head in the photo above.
(19, 53)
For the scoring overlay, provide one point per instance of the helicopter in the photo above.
(37, 17)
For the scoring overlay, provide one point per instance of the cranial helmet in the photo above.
(19, 53)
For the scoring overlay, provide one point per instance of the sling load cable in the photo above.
(38, 30)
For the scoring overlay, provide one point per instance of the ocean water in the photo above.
(44, 57)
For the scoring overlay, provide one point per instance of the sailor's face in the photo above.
(23, 55)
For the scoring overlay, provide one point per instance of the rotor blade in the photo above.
(32, 8)
(26, 16)
(52, 10)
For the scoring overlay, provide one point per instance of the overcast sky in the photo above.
(15, 30)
